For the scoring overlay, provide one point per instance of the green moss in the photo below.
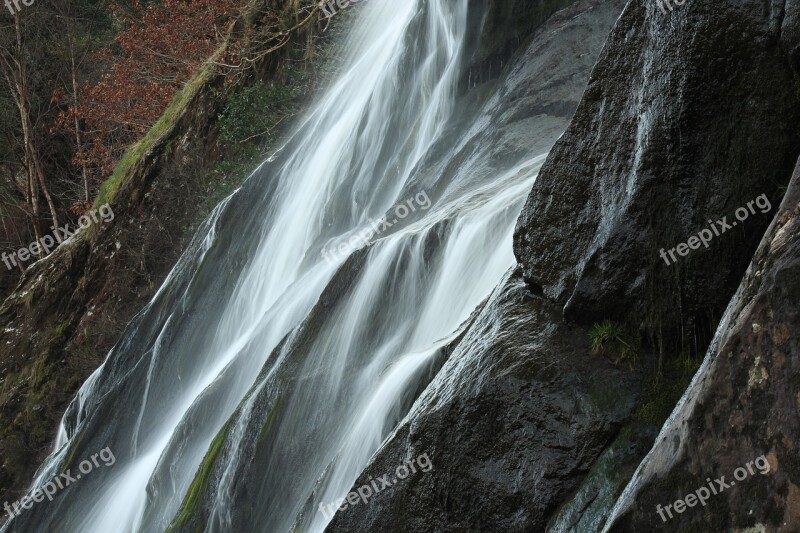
(251, 105)
(609, 338)
(73, 450)
(108, 190)
(273, 414)
(201, 479)
(61, 328)
(662, 391)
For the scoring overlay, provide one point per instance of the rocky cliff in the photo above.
(688, 116)
(71, 307)
(732, 442)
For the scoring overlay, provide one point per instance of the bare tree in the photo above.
(15, 72)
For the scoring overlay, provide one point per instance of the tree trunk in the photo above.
(20, 78)
(78, 147)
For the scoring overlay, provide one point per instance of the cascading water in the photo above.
(283, 366)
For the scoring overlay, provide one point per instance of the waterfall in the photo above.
(298, 327)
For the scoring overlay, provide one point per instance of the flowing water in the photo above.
(303, 359)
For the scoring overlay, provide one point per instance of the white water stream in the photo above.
(373, 142)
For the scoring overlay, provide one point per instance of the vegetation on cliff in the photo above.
(67, 311)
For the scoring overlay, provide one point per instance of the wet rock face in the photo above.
(520, 411)
(511, 424)
(497, 30)
(744, 407)
(688, 116)
(70, 309)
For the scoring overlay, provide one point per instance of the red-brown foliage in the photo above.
(159, 49)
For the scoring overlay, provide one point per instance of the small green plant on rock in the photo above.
(609, 338)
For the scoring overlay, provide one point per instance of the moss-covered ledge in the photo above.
(70, 307)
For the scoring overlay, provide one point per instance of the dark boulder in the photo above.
(511, 424)
(688, 115)
(741, 417)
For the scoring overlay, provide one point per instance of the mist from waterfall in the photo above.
(294, 368)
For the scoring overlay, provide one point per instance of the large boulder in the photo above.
(689, 115)
(511, 424)
(732, 441)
